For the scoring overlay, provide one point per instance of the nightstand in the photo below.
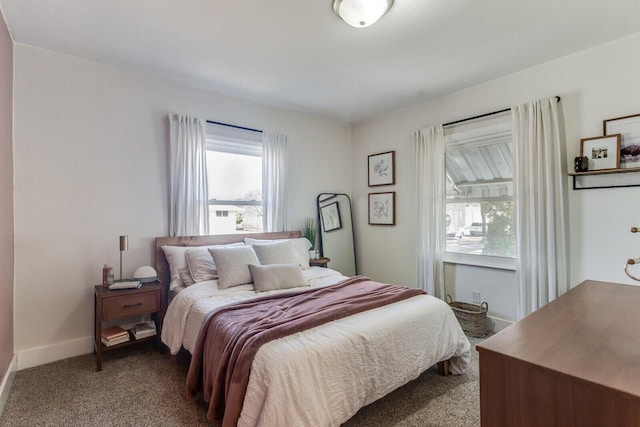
(120, 304)
(319, 262)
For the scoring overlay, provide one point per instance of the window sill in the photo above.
(500, 263)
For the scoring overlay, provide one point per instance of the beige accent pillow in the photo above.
(276, 276)
(201, 266)
(301, 246)
(233, 265)
(187, 280)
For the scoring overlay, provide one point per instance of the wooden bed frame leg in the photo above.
(443, 368)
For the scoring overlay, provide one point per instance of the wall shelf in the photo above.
(606, 178)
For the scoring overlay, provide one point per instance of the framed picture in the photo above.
(382, 208)
(382, 170)
(603, 152)
(330, 215)
(629, 129)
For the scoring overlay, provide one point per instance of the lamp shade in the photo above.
(361, 13)
(124, 243)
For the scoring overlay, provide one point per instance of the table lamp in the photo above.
(124, 246)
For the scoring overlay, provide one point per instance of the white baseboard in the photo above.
(51, 353)
(7, 382)
(497, 324)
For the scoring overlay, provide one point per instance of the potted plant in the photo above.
(310, 231)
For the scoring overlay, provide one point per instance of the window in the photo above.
(234, 173)
(479, 192)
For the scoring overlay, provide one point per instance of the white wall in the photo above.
(594, 84)
(91, 164)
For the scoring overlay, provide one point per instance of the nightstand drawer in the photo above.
(130, 305)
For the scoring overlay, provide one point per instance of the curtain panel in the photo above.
(540, 205)
(430, 192)
(275, 185)
(188, 192)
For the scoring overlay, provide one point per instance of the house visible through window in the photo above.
(234, 172)
(479, 192)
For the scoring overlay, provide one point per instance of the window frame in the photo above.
(461, 135)
(234, 140)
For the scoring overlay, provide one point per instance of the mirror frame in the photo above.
(325, 197)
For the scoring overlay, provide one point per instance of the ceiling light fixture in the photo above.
(361, 13)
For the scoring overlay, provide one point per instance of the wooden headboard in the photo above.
(162, 266)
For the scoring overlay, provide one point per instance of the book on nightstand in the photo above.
(113, 332)
(126, 284)
(143, 330)
(115, 341)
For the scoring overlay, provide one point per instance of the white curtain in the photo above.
(429, 151)
(275, 185)
(189, 195)
(539, 192)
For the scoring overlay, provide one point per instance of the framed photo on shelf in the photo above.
(603, 152)
(629, 129)
(382, 169)
(382, 208)
(330, 215)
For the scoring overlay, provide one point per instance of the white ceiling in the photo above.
(298, 54)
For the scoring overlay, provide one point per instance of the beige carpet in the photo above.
(140, 387)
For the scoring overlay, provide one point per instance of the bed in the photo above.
(321, 376)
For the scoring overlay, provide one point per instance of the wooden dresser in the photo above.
(574, 362)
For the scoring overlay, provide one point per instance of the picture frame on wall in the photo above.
(629, 129)
(603, 152)
(382, 170)
(330, 215)
(382, 208)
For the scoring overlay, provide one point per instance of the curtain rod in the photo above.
(234, 126)
(482, 115)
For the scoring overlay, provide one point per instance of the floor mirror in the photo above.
(336, 238)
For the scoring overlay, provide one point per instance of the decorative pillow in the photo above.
(187, 280)
(276, 253)
(233, 265)
(276, 276)
(201, 266)
(177, 259)
(301, 246)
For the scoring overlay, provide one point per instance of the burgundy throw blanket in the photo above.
(231, 336)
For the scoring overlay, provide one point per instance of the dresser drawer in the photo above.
(130, 305)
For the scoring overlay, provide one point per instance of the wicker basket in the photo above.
(472, 317)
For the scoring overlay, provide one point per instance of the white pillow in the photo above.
(276, 253)
(301, 246)
(233, 265)
(276, 276)
(177, 259)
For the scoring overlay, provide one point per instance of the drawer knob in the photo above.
(132, 305)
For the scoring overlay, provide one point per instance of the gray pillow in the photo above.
(301, 246)
(201, 266)
(276, 276)
(276, 253)
(233, 265)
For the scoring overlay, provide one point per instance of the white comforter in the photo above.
(322, 376)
